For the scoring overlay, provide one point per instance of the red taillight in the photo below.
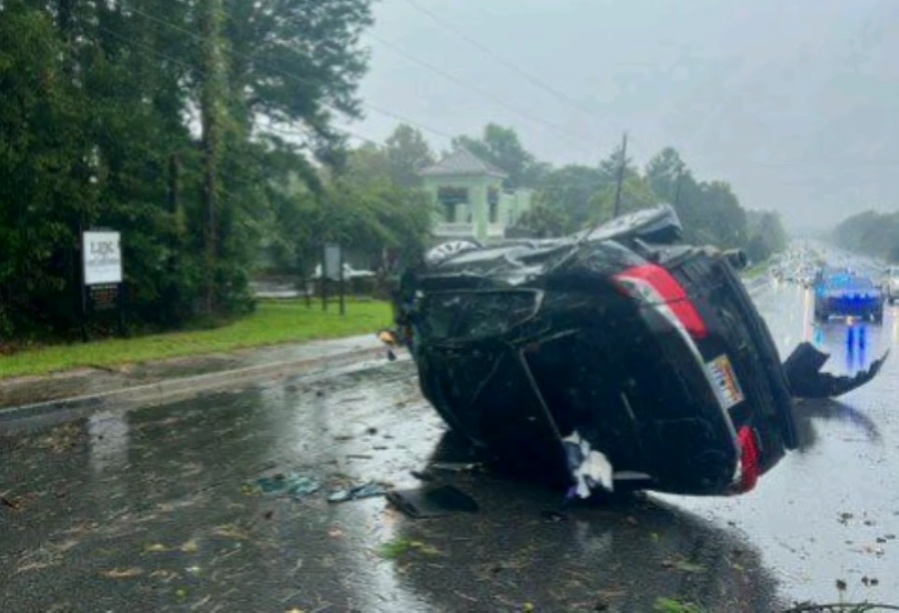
(749, 460)
(655, 285)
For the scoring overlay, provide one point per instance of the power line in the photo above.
(298, 78)
(502, 60)
(183, 64)
(473, 88)
(225, 193)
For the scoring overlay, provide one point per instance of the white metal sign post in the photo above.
(101, 267)
(332, 268)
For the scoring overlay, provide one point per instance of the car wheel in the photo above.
(447, 250)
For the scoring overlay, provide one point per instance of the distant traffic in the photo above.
(845, 286)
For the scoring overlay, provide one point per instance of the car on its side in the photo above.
(618, 344)
(617, 358)
(841, 292)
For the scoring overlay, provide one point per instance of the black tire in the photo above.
(449, 249)
(877, 316)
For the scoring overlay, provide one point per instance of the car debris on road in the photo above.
(615, 358)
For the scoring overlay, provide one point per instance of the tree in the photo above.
(635, 192)
(540, 221)
(635, 195)
(766, 235)
(709, 211)
(99, 103)
(502, 148)
(567, 193)
(665, 172)
(297, 62)
(40, 155)
(724, 219)
(871, 233)
(407, 154)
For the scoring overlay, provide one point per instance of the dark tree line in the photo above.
(871, 233)
(572, 197)
(204, 131)
(178, 123)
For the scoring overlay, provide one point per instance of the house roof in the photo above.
(462, 162)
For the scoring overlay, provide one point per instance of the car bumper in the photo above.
(848, 306)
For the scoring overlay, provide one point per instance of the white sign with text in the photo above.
(102, 258)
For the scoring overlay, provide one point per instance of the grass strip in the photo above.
(274, 322)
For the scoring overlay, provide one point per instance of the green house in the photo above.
(470, 199)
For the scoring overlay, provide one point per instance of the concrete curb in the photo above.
(181, 388)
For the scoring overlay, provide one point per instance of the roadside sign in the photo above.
(332, 265)
(103, 285)
(332, 269)
(101, 258)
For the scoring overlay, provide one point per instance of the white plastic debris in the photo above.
(590, 468)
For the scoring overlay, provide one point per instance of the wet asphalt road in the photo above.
(154, 509)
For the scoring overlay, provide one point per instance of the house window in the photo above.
(449, 210)
(449, 198)
(493, 204)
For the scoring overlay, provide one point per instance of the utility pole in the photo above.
(680, 180)
(211, 102)
(620, 175)
(173, 200)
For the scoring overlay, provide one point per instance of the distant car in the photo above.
(806, 276)
(890, 284)
(348, 272)
(841, 292)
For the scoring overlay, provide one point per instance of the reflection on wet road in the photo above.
(150, 509)
(831, 510)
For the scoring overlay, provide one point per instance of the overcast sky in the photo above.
(794, 102)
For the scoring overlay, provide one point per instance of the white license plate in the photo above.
(724, 379)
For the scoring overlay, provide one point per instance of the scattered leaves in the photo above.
(670, 605)
(684, 565)
(190, 546)
(232, 532)
(398, 547)
(122, 573)
(15, 505)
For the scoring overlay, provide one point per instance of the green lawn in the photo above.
(273, 322)
(756, 269)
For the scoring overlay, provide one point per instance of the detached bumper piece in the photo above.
(803, 370)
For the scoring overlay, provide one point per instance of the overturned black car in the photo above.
(612, 359)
